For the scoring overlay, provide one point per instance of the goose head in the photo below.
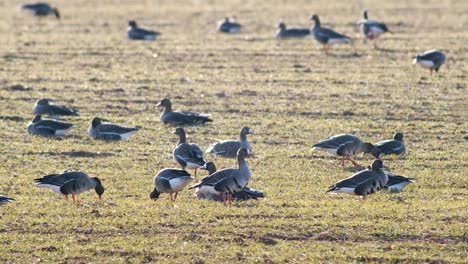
(96, 122)
(364, 13)
(165, 103)
(398, 136)
(373, 150)
(316, 19)
(179, 131)
(42, 101)
(155, 194)
(282, 26)
(56, 13)
(210, 167)
(242, 153)
(377, 164)
(132, 24)
(36, 118)
(99, 188)
(247, 130)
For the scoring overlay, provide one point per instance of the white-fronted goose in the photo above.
(47, 127)
(326, 36)
(397, 183)
(432, 60)
(107, 131)
(364, 182)
(229, 148)
(227, 181)
(394, 146)
(180, 118)
(228, 25)
(372, 29)
(170, 181)
(4, 199)
(346, 146)
(286, 33)
(41, 9)
(70, 182)
(243, 195)
(43, 106)
(134, 32)
(188, 155)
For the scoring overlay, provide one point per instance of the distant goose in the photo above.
(107, 131)
(229, 148)
(432, 60)
(180, 118)
(396, 183)
(70, 182)
(170, 181)
(227, 182)
(284, 33)
(228, 25)
(326, 36)
(372, 29)
(244, 194)
(43, 106)
(134, 32)
(48, 127)
(392, 146)
(188, 155)
(41, 9)
(364, 182)
(4, 199)
(347, 146)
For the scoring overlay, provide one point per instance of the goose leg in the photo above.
(66, 196)
(196, 173)
(430, 71)
(342, 161)
(171, 196)
(224, 198)
(73, 197)
(175, 196)
(230, 199)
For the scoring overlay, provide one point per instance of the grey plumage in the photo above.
(372, 29)
(107, 131)
(285, 33)
(180, 118)
(394, 146)
(70, 183)
(41, 9)
(229, 148)
(137, 33)
(4, 199)
(326, 36)
(228, 25)
(396, 183)
(364, 182)
(47, 127)
(43, 106)
(170, 181)
(188, 155)
(432, 60)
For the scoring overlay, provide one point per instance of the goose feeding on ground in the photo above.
(41, 9)
(170, 181)
(432, 60)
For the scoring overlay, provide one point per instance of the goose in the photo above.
(228, 25)
(43, 106)
(70, 182)
(347, 146)
(188, 155)
(284, 33)
(244, 194)
(396, 183)
(107, 131)
(364, 182)
(372, 29)
(227, 181)
(392, 146)
(432, 60)
(4, 199)
(170, 181)
(48, 127)
(41, 9)
(229, 148)
(326, 36)
(181, 118)
(134, 32)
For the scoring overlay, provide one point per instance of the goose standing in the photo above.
(372, 29)
(244, 194)
(180, 118)
(43, 106)
(70, 182)
(326, 36)
(347, 146)
(364, 182)
(188, 155)
(226, 182)
(107, 131)
(229, 148)
(228, 25)
(134, 32)
(284, 33)
(170, 181)
(4, 199)
(41, 9)
(48, 127)
(392, 146)
(432, 60)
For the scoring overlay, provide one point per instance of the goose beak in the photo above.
(174, 132)
(251, 132)
(203, 167)
(158, 104)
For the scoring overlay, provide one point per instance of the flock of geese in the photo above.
(230, 183)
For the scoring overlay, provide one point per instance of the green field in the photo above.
(287, 91)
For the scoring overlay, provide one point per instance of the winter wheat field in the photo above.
(287, 91)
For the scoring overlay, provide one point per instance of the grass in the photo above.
(288, 92)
